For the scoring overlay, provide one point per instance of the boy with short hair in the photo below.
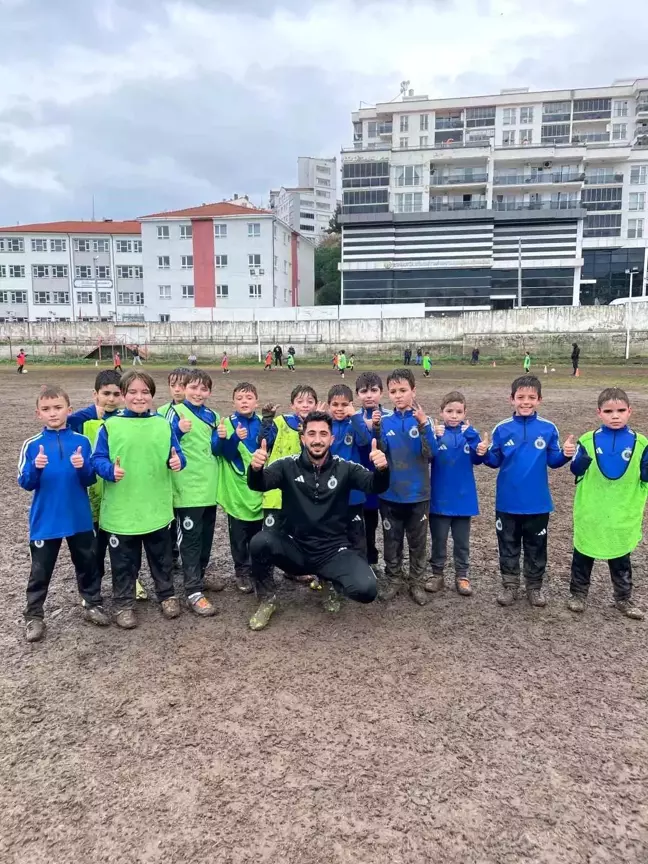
(522, 448)
(177, 381)
(195, 490)
(56, 466)
(342, 363)
(407, 437)
(611, 470)
(135, 453)
(290, 362)
(453, 492)
(238, 435)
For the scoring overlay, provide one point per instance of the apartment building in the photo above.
(309, 206)
(475, 201)
(218, 255)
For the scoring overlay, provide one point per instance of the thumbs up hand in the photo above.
(77, 459)
(465, 426)
(242, 432)
(184, 425)
(221, 429)
(482, 447)
(376, 417)
(439, 429)
(569, 447)
(174, 460)
(260, 457)
(41, 460)
(118, 470)
(377, 457)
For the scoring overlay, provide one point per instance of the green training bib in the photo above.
(197, 485)
(234, 495)
(286, 443)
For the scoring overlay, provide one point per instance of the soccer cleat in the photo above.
(34, 630)
(463, 586)
(171, 607)
(576, 603)
(140, 591)
(316, 585)
(507, 596)
(262, 616)
(199, 604)
(419, 595)
(95, 615)
(536, 597)
(628, 608)
(332, 600)
(126, 619)
(244, 584)
(435, 583)
(389, 589)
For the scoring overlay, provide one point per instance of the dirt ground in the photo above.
(391, 734)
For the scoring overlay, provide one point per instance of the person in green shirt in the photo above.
(290, 363)
(342, 363)
(427, 364)
(527, 362)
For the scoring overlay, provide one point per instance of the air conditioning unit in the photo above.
(261, 272)
(547, 164)
(252, 271)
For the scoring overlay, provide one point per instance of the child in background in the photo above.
(335, 360)
(225, 364)
(427, 364)
(342, 363)
(177, 381)
(351, 363)
(407, 437)
(522, 449)
(56, 466)
(369, 388)
(238, 435)
(135, 454)
(453, 493)
(611, 470)
(192, 360)
(527, 362)
(290, 362)
(195, 490)
(268, 361)
(117, 362)
(21, 359)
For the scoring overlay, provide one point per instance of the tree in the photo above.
(328, 282)
(334, 224)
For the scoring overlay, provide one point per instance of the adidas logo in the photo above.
(541, 533)
(443, 447)
(510, 443)
(357, 518)
(599, 451)
(300, 479)
(391, 434)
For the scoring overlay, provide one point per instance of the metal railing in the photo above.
(459, 177)
(609, 178)
(591, 138)
(524, 179)
(568, 204)
(445, 206)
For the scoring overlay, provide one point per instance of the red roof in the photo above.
(208, 211)
(75, 228)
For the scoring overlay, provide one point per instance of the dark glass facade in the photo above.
(608, 267)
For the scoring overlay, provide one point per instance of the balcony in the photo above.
(642, 104)
(607, 179)
(449, 123)
(580, 116)
(544, 177)
(385, 128)
(360, 147)
(591, 138)
(459, 178)
(445, 206)
(567, 204)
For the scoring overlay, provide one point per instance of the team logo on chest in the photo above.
(348, 439)
(540, 443)
(466, 448)
(332, 483)
(413, 432)
(627, 454)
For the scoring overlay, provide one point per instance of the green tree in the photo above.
(328, 283)
(334, 224)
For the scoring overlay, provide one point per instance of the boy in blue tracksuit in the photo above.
(453, 492)
(56, 466)
(522, 448)
(369, 388)
(408, 440)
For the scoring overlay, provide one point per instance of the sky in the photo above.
(152, 105)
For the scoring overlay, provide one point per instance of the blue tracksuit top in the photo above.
(372, 500)
(205, 415)
(613, 453)
(101, 453)
(522, 448)
(229, 446)
(453, 491)
(76, 420)
(348, 436)
(60, 506)
(408, 451)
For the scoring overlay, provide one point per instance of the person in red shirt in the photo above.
(117, 362)
(268, 361)
(21, 358)
(225, 364)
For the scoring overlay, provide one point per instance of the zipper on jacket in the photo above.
(60, 447)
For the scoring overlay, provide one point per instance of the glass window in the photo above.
(60, 298)
(101, 245)
(423, 141)
(254, 229)
(636, 200)
(371, 129)
(187, 292)
(620, 108)
(125, 246)
(526, 136)
(58, 245)
(41, 297)
(509, 115)
(635, 228)
(137, 246)
(103, 272)
(222, 291)
(409, 175)
(186, 232)
(12, 244)
(619, 131)
(639, 175)
(254, 260)
(40, 271)
(163, 232)
(60, 271)
(404, 143)
(255, 292)
(164, 262)
(83, 271)
(220, 231)
(404, 123)
(221, 260)
(105, 297)
(39, 245)
(81, 244)
(424, 122)
(526, 115)
(16, 271)
(85, 297)
(186, 262)
(508, 138)
(165, 292)
(409, 202)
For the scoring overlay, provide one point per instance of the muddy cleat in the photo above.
(629, 609)
(244, 584)
(388, 590)
(140, 591)
(126, 619)
(419, 595)
(95, 615)
(576, 603)
(332, 600)
(463, 586)
(199, 604)
(171, 607)
(435, 584)
(34, 630)
(536, 597)
(507, 596)
(262, 616)
(316, 585)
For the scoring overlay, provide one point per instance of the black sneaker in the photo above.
(577, 603)
(34, 630)
(95, 615)
(508, 595)
(536, 597)
(628, 608)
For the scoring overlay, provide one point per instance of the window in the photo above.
(476, 118)
(556, 112)
(137, 246)
(12, 244)
(285, 267)
(163, 232)
(61, 298)
(254, 229)
(41, 297)
(325, 169)
(404, 143)
(165, 292)
(607, 198)
(130, 298)
(637, 201)
(83, 271)
(409, 175)
(186, 232)
(81, 245)
(39, 245)
(620, 108)
(526, 136)
(635, 228)
(602, 225)
(424, 122)
(187, 292)
(187, 262)
(3, 271)
(322, 194)
(84, 297)
(371, 129)
(58, 245)
(221, 260)
(423, 141)
(509, 116)
(60, 271)
(101, 245)
(526, 115)
(164, 262)
(40, 271)
(222, 292)
(127, 246)
(255, 292)
(508, 138)
(16, 271)
(322, 182)
(404, 123)
(276, 262)
(639, 175)
(304, 227)
(165, 318)
(18, 297)
(254, 260)
(124, 271)
(555, 133)
(103, 272)
(409, 202)
(619, 131)
(105, 297)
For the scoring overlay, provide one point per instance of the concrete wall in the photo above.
(545, 332)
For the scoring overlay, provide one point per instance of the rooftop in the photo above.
(106, 226)
(209, 211)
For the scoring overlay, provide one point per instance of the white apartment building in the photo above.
(309, 206)
(218, 255)
(550, 183)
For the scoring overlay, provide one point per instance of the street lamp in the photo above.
(631, 274)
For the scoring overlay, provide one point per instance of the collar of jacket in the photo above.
(307, 465)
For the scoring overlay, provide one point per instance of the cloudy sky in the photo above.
(158, 104)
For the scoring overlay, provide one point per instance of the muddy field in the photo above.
(461, 732)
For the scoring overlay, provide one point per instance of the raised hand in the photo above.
(465, 426)
(119, 471)
(377, 457)
(323, 406)
(419, 414)
(439, 428)
(260, 457)
(76, 458)
(482, 447)
(221, 429)
(175, 463)
(376, 417)
(269, 409)
(242, 432)
(569, 447)
(41, 460)
(185, 425)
